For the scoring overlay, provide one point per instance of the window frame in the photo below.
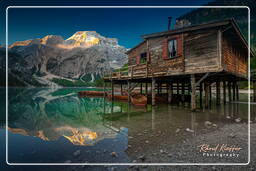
(169, 53)
(144, 57)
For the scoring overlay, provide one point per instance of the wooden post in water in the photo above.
(141, 85)
(206, 94)
(254, 90)
(193, 92)
(121, 87)
(178, 88)
(146, 89)
(112, 90)
(183, 92)
(224, 92)
(158, 88)
(210, 94)
(170, 92)
(129, 91)
(218, 92)
(229, 92)
(237, 92)
(234, 91)
(201, 94)
(153, 93)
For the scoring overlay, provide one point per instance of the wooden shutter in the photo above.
(180, 45)
(165, 49)
(138, 59)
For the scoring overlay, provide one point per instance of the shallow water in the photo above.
(56, 126)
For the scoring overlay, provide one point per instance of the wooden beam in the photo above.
(146, 89)
(210, 94)
(201, 79)
(153, 93)
(193, 92)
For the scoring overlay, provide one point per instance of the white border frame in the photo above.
(150, 164)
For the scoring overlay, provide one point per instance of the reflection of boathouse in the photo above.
(178, 63)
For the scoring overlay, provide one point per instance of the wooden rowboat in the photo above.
(118, 97)
(91, 93)
(139, 100)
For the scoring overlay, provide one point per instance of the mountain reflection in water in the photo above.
(50, 114)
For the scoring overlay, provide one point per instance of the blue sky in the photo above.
(127, 25)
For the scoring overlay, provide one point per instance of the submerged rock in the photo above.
(238, 120)
(207, 124)
(177, 131)
(114, 154)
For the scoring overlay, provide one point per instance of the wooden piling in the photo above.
(193, 92)
(237, 92)
(170, 92)
(153, 93)
(121, 87)
(206, 94)
(224, 92)
(183, 92)
(234, 90)
(141, 85)
(129, 91)
(254, 90)
(200, 94)
(146, 89)
(218, 92)
(178, 88)
(112, 90)
(229, 92)
(210, 94)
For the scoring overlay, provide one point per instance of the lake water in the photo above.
(56, 126)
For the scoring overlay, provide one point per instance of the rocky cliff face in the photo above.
(86, 54)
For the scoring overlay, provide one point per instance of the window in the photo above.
(172, 48)
(143, 58)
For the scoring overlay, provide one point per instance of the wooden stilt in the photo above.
(121, 87)
(229, 92)
(129, 92)
(218, 92)
(254, 90)
(210, 94)
(183, 92)
(224, 92)
(178, 88)
(112, 90)
(206, 91)
(193, 92)
(153, 91)
(234, 91)
(141, 85)
(201, 94)
(170, 92)
(158, 88)
(146, 89)
(237, 92)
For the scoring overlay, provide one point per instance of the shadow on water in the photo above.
(54, 126)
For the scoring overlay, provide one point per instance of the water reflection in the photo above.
(97, 123)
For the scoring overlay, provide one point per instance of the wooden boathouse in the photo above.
(183, 63)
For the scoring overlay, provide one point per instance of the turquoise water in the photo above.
(56, 125)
